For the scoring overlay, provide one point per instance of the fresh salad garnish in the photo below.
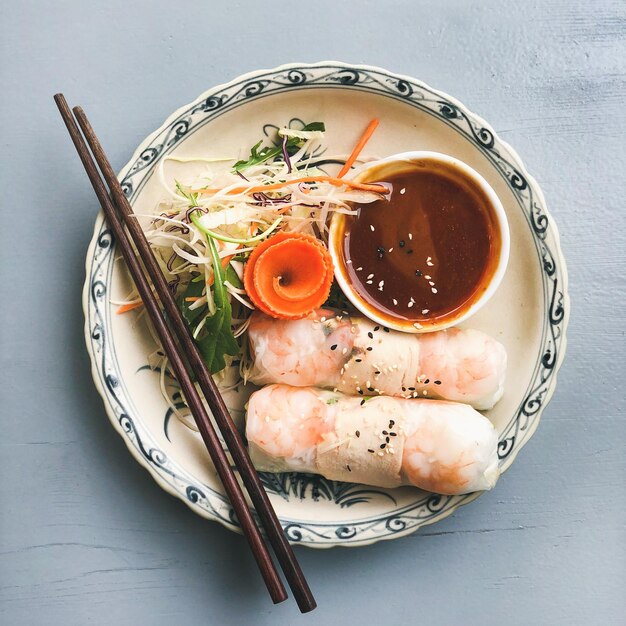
(235, 235)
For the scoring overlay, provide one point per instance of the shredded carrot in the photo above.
(193, 298)
(128, 307)
(337, 182)
(369, 131)
(224, 263)
(288, 275)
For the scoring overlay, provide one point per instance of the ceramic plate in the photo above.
(528, 314)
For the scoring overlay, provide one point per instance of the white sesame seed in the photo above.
(434, 290)
(395, 301)
(344, 350)
(410, 304)
(369, 282)
(390, 249)
(431, 283)
(370, 276)
(427, 277)
(381, 283)
(358, 269)
(381, 454)
(372, 227)
(348, 261)
(425, 392)
(403, 191)
(429, 263)
(424, 311)
(417, 325)
(322, 319)
(410, 235)
(429, 259)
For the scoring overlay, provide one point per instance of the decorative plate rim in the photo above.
(193, 494)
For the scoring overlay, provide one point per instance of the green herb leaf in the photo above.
(266, 153)
(233, 278)
(216, 338)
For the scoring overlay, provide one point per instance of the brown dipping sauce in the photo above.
(428, 250)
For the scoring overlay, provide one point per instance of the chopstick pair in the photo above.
(119, 213)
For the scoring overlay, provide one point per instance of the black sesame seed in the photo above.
(369, 348)
(358, 432)
(376, 328)
(357, 360)
(387, 439)
(360, 392)
(383, 446)
(427, 381)
(385, 329)
(348, 468)
(403, 388)
(391, 423)
(370, 335)
(370, 389)
(402, 243)
(391, 434)
(370, 450)
(437, 382)
(411, 388)
(363, 402)
(418, 272)
(377, 372)
(333, 347)
(385, 432)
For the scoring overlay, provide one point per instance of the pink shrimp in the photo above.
(302, 352)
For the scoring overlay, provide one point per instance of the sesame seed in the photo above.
(267, 418)
(417, 325)
(425, 392)
(370, 276)
(370, 450)
(437, 382)
(348, 468)
(381, 283)
(427, 277)
(357, 360)
(376, 328)
(348, 261)
(383, 446)
(403, 191)
(426, 381)
(372, 227)
(358, 269)
(434, 290)
(370, 335)
(390, 249)
(429, 263)
(418, 272)
(424, 311)
(333, 347)
(411, 236)
(385, 329)
(362, 403)
(369, 282)
(410, 304)
(381, 454)
(395, 301)
(402, 243)
(358, 432)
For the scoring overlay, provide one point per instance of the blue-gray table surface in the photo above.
(86, 536)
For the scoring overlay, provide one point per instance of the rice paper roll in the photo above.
(444, 447)
(357, 356)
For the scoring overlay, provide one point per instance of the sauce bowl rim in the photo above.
(335, 245)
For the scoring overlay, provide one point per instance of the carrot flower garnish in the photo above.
(289, 275)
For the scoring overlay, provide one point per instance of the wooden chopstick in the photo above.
(234, 442)
(211, 440)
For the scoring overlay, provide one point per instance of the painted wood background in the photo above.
(86, 537)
